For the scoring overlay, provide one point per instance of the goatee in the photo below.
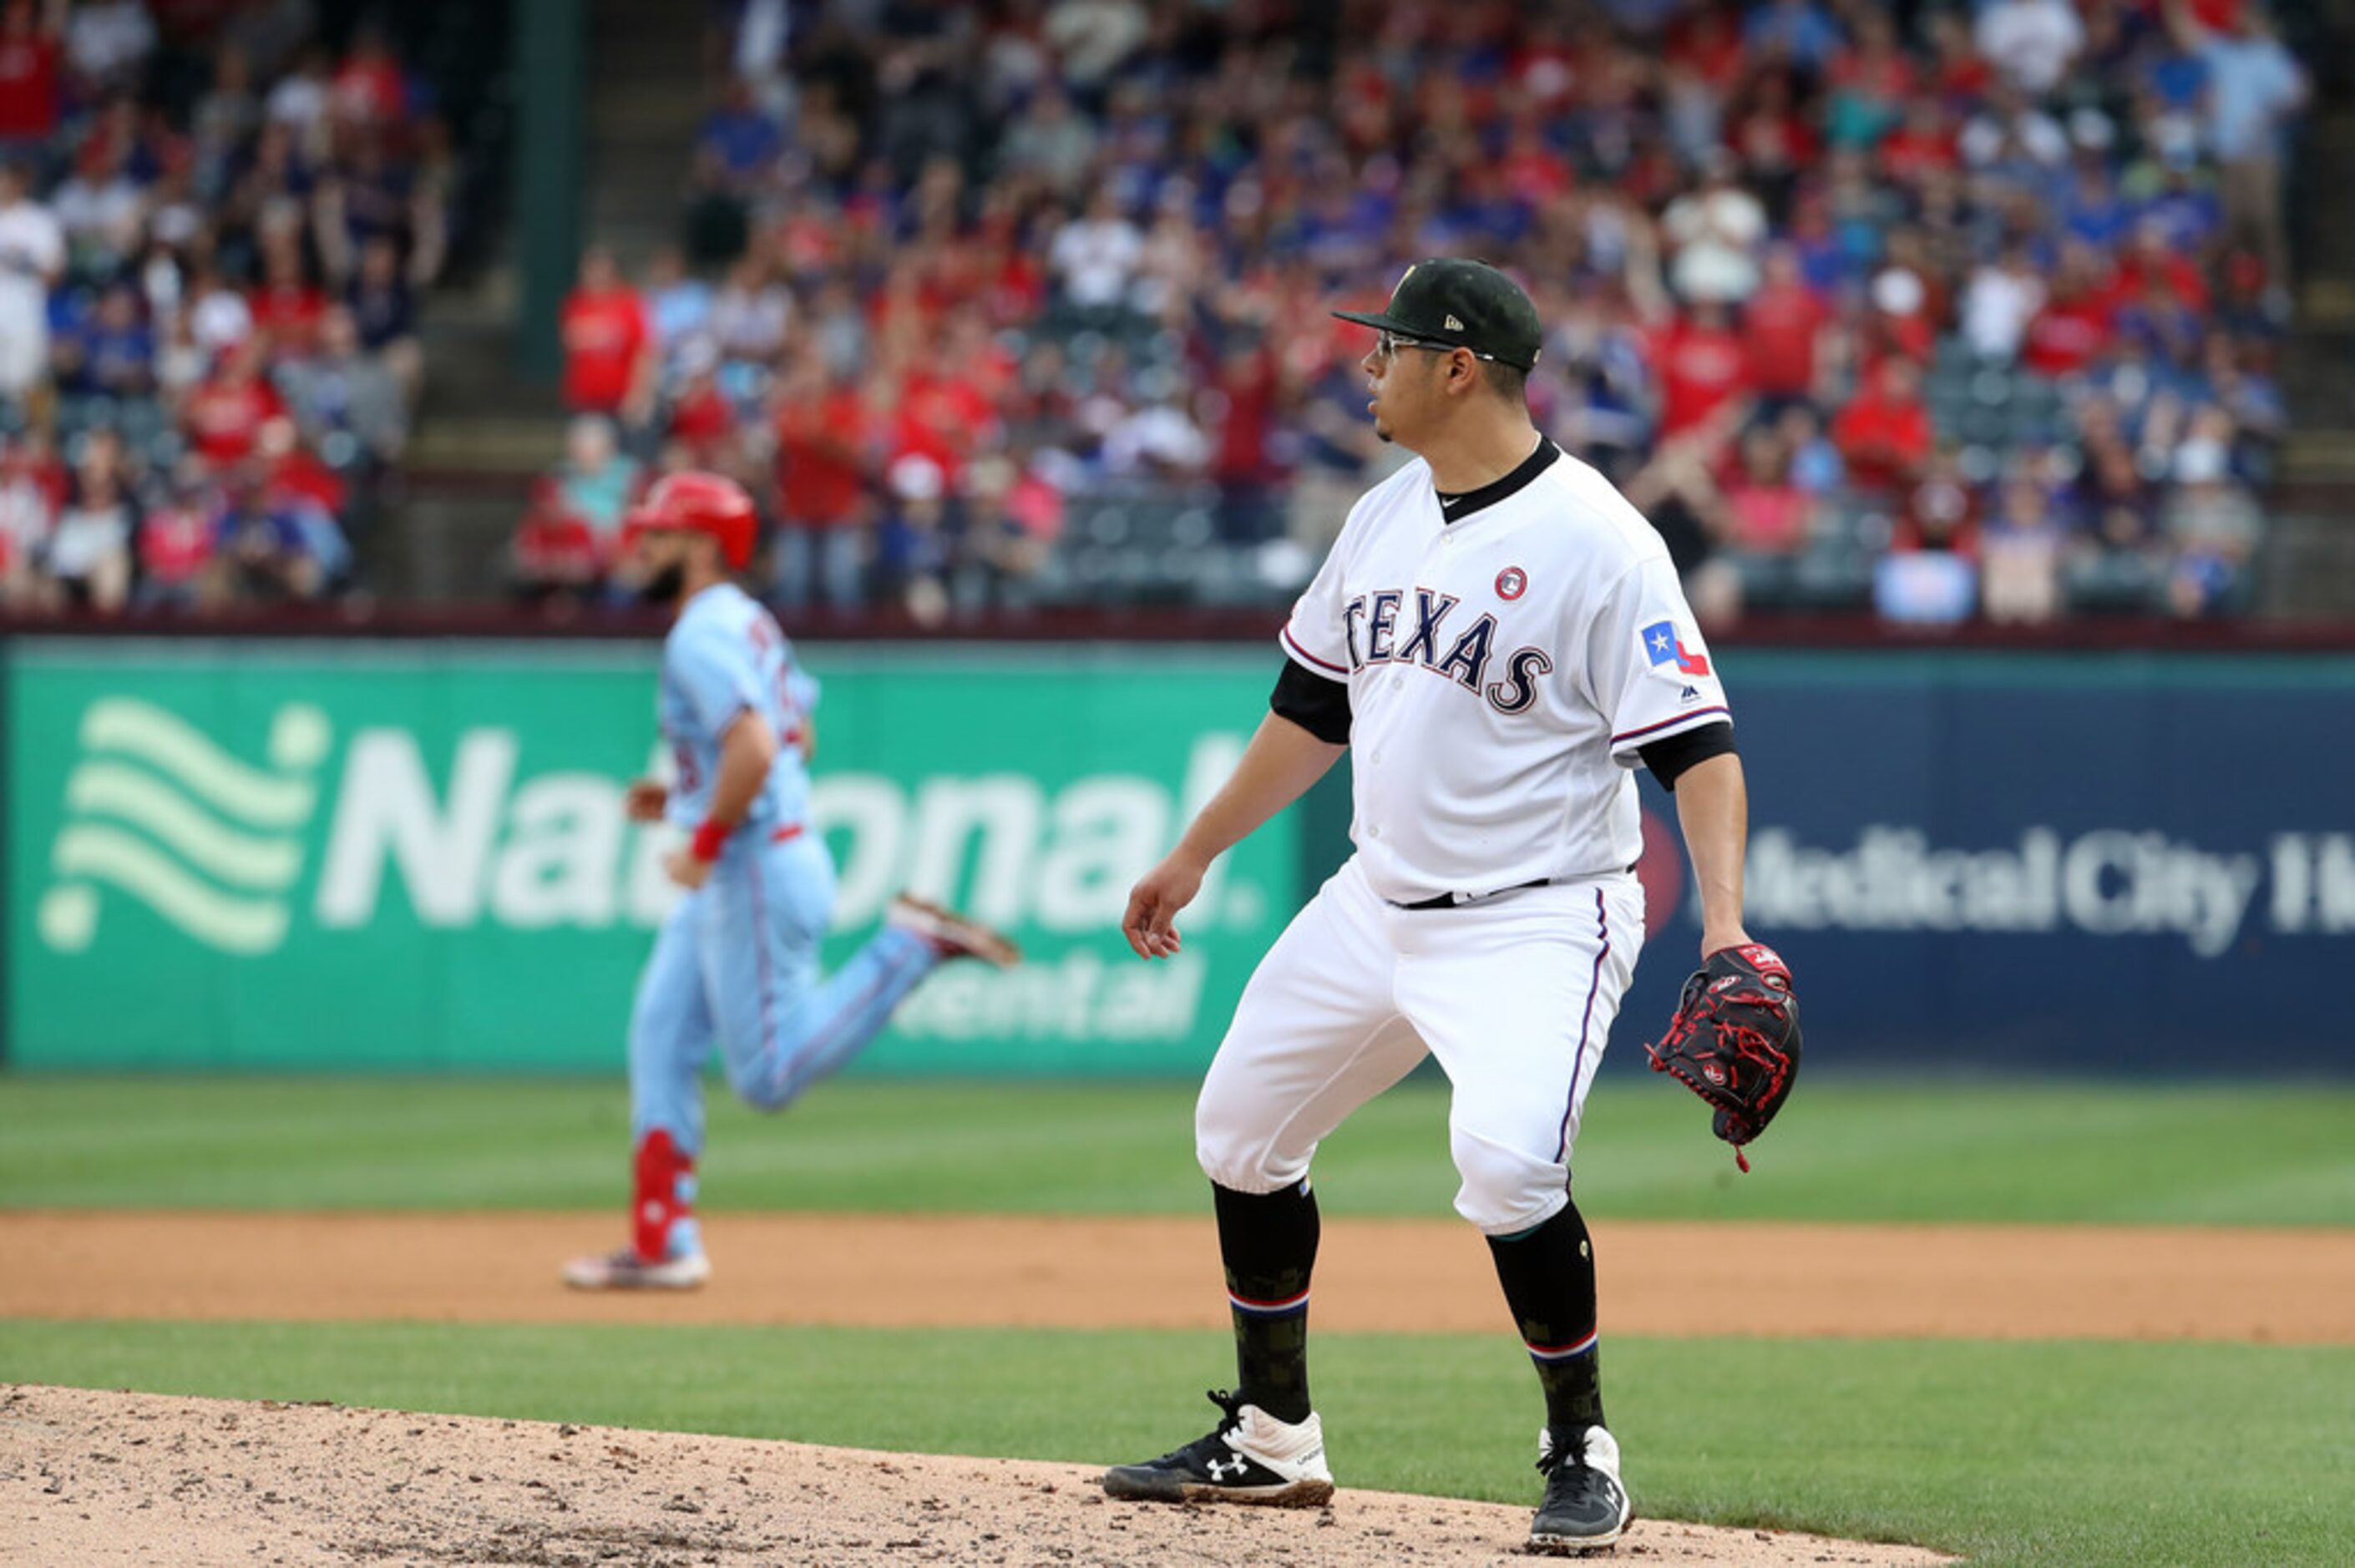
(665, 584)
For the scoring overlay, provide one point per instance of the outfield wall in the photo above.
(391, 857)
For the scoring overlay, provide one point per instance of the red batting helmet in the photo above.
(706, 504)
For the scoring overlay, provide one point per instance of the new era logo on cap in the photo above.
(1455, 325)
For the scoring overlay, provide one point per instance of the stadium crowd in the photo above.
(1951, 310)
(213, 229)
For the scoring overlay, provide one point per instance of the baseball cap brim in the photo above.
(1381, 322)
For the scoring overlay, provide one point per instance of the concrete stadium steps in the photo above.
(484, 432)
(647, 94)
(2309, 564)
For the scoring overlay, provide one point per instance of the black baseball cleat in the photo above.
(1585, 1507)
(1250, 1458)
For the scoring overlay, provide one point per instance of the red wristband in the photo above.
(708, 840)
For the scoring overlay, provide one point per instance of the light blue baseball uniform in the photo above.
(737, 960)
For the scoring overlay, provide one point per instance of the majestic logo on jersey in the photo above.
(1511, 583)
(1384, 629)
(1662, 645)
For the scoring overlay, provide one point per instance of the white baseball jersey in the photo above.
(1506, 656)
(1506, 659)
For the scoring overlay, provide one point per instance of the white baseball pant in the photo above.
(1514, 994)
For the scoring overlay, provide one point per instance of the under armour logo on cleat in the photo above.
(1229, 1469)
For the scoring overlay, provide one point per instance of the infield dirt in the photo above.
(2286, 1286)
(89, 1479)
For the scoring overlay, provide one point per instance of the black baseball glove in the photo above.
(1735, 1040)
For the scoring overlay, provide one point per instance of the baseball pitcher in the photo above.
(1499, 639)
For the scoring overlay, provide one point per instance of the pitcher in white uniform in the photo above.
(1500, 638)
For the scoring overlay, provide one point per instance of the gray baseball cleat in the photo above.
(952, 935)
(625, 1270)
(1249, 1457)
(1585, 1507)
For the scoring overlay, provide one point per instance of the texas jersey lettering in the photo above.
(1505, 663)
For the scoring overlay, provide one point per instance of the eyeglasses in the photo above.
(1386, 347)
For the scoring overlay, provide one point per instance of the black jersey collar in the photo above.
(1455, 508)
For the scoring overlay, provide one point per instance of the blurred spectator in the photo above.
(1703, 367)
(384, 312)
(2211, 521)
(109, 354)
(286, 305)
(1094, 256)
(556, 557)
(100, 207)
(2019, 555)
(609, 348)
(267, 547)
(176, 545)
(1761, 522)
(1093, 37)
(87, 563)
(912, 550)
(2030, 42)
(107, 43)
(677, 305)
(32, 260)
(2074, 324)
(702, 420)
(1716, 232)
(1883, 434)
(1784, 325)
(1013, 519)
(749, 315)
(1050, 141)
(822, 438)
(2255, 86)
(29, 56)
(2004, 295)
(32, 489)
(596, 479)
(348, 406)
(1242, 401)
(224, 415)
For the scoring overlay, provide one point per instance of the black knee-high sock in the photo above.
(1548, 1279)
(1269, 1243)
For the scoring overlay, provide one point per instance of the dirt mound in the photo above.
(90, 1478)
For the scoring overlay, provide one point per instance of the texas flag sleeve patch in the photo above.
(1662, 645)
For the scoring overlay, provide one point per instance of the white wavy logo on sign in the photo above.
(210, 842)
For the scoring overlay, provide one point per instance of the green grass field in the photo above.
(1968, 1150)
(2066, 1452)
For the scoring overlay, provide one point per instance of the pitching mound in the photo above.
(91, 1478)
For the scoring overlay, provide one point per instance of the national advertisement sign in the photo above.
(416, 856)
